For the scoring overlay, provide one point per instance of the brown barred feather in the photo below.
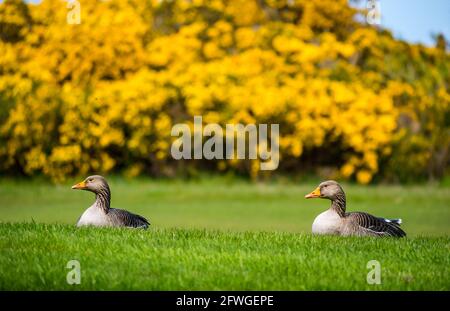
(124, 218)
(376, 224)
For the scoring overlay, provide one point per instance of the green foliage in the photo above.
(102, 96)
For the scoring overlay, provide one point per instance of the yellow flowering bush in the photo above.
(103, 95)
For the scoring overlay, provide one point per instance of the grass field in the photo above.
(219, 234)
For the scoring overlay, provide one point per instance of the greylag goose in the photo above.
(336, 221)
(100, 213)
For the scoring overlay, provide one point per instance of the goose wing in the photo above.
(124, 218)
(371, 225)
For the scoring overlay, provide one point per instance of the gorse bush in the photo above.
(103, 95)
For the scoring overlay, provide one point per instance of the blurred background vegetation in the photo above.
(352, 101)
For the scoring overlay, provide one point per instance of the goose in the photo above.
(337, 222)
(100, 213)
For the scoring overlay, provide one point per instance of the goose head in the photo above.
(94, 183)
(329, 189)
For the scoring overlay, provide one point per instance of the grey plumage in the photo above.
(374, 225)
(125, 218)
(100, 213)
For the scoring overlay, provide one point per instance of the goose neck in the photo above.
(338, 204)
(103, 198)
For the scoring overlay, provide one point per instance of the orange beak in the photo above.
(80, 185)
(314, 194)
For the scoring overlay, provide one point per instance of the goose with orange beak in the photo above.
(100, 213)
(337, 221)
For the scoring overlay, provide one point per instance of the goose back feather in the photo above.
(367, 224)
(121, 217)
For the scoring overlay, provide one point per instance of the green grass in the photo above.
(34, 256)
(219, 234)
(223, 204)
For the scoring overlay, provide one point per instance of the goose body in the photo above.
(93, 216)
(327, 222)
(337, 221)
(100, 213)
